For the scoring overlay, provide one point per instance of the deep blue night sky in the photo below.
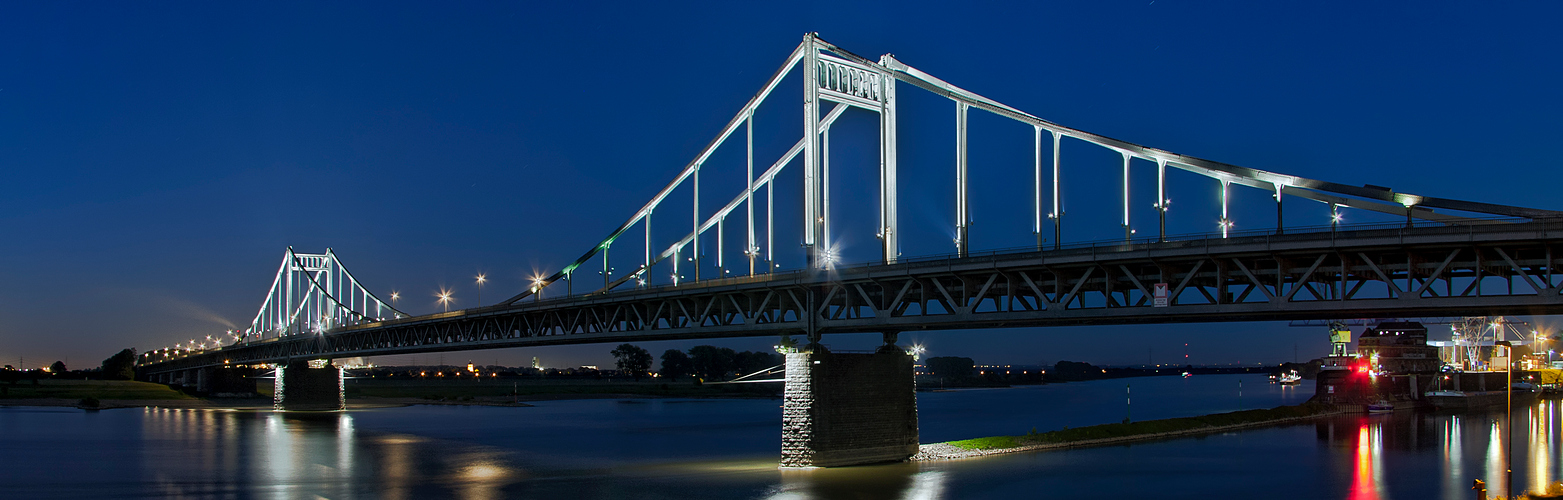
(159, 157)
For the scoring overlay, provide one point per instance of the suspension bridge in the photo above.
(1442, 257)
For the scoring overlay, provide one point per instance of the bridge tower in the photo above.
(311, 294)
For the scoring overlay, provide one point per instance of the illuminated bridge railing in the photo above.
(1208, 237)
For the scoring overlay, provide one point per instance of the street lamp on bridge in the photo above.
(444, 296)
(481, 280)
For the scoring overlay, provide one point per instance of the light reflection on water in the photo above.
(728, 449)
(1369, 473)
(1495, 459)
(1456, 438)
(1454, 457)
(898, 481)
(1543, 445)
(303, 455)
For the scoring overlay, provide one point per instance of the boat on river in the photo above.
(1289, 378)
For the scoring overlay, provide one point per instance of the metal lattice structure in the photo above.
(1449, 257)
(314, 293)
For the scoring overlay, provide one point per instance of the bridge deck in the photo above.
(1438, 271)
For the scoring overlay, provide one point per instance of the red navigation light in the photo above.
(1362, 369)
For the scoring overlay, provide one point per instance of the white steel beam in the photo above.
(1161, 197)
(1036, 198)
(763, 179)
(1128, 233)
(750, 249)
(1058, 204)
(732, 125)
(888, 232)
(962, 217)
(694, 249)
(813, 216)
(824, 192)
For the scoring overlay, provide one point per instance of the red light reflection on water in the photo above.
(1365, 481)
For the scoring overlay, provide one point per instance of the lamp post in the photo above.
(1508, 410)
(444, 299)
(1541, 342)
(481, 279)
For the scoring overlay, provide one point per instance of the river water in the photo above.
(676, 449)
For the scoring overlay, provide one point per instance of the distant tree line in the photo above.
(949, 368)
(121, 366)
(955, 371)
(703, 361)
(1075, 371)
(632, 359)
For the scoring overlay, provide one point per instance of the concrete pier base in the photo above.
(203, 380)
(301, 388)
(848, 409)
(231, 382)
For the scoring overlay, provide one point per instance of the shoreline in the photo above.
(933, 452)
(251, 404)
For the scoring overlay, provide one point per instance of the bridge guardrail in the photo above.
(1185, 237)
(1267, 235)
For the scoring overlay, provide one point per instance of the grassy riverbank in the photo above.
(1117, 433)
(74, 390)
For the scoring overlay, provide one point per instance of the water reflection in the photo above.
(887, 482)
(1495, 472)
(1543, 445)
(1453, 458)
(482, 475)
(292, 455)
(728, 449)
(396, 465)
(1469, 446)
(1368, 480)
(303, 455)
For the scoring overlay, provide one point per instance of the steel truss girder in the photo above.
(1433, 271)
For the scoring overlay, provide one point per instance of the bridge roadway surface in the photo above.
(1498, 269)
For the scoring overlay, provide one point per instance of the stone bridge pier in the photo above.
(300, 387)
(844, 409)
(202, 378)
